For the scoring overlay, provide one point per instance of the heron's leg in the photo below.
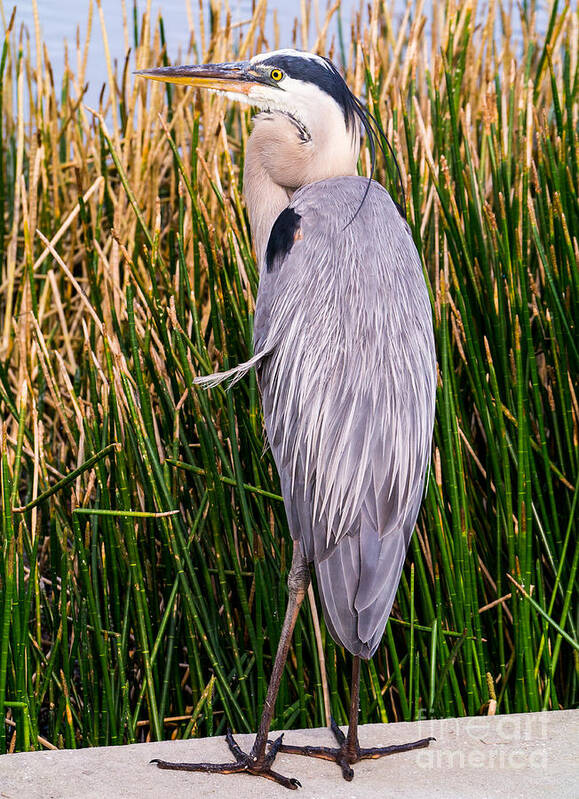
(349, 750)
(298, 582)
(258, 761)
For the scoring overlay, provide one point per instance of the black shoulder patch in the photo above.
(281, 238)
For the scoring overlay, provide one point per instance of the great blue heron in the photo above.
(344, 350)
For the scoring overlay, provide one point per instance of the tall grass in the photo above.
(144, 547)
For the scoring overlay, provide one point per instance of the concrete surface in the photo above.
(526, 755)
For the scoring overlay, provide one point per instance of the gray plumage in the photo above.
(347, 379)
(343, 344)
(344, 349)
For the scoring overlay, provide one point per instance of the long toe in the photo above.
(234, 747)
(208, 768)
(273, 750)
(383, 751)
(288, 782)
(338, 734)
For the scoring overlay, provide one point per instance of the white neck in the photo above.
(284, 154)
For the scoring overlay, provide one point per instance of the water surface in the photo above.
(60, 20)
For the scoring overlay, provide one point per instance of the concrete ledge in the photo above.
(526, 755)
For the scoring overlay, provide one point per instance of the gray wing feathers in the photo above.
(344, 348)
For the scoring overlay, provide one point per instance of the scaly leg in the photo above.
(258, 761)
(349, 750)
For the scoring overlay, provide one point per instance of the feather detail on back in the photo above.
(344, 349)
(348, 375)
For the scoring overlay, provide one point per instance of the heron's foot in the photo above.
(348, 753)
(244, 764)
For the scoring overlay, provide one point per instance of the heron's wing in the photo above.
(343, 334)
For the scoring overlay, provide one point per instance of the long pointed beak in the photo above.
(235, 77)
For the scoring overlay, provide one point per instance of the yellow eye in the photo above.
(276, 74)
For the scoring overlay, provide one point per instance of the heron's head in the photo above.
(308, 128)
(309, 117)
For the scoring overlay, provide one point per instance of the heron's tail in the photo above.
(358, 583)
(235, 374)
